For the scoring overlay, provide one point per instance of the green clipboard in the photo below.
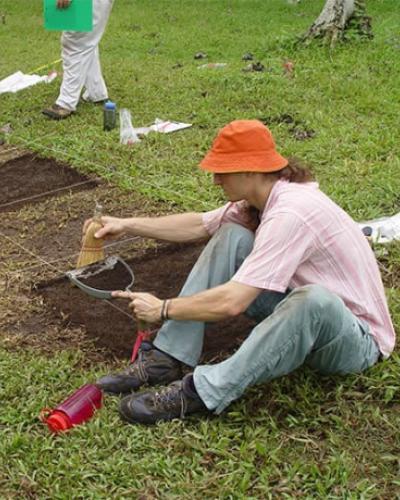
(77, 17)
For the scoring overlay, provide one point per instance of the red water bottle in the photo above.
(75, 410)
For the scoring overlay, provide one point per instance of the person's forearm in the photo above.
(176, 227)
(224, 301)
(215, 304)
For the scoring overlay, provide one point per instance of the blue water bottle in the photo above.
(110, 115)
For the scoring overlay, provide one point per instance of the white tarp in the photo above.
(163, 126)
(384, 229)
(18, 81)
(167, 126)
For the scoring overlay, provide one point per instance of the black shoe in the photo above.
(151, 366)
(174, 401)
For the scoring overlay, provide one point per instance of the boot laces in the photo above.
(168, 398)
(138, 367)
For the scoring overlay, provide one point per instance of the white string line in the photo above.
(26, 250)
(37, 257)
(60, 259)
(108, 171)
(116, 172)
(46, 193)
(112, 172)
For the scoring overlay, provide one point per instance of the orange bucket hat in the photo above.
(243, 146)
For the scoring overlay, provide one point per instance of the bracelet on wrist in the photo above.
(164, 310)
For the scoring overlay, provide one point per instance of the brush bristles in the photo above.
(92, 248)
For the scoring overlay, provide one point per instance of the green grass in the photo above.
(299, 436)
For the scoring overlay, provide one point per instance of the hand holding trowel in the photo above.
(104, 278)
(147, 309)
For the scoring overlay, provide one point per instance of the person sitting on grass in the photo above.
(280, 251)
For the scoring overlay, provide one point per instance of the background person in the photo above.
(280, 251)
(81, 63)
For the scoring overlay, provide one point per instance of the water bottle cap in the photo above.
(110, 105)
(58, 421)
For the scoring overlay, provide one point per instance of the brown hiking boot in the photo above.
(152, 367)
(56, 112)
(177, 400)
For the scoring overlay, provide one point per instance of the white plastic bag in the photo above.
(167, 126)
(384, 229)
(18, 81)
(127, 134)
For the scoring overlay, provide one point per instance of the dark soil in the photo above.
(297, 128)
(28, 178)
(161, 271)
(42, 240)
(103, 277)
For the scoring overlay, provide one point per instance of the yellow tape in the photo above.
(45, 66)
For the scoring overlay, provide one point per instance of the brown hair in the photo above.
(294, 171)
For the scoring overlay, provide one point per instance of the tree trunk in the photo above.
(336, 17)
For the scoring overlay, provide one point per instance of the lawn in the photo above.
(300, 436)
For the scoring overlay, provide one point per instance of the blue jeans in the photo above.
(308, 325)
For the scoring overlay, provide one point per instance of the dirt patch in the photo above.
(8, 153)
(61, 316)
(105, 275)
(297, 128)
(161, 271)
(29, 178)
(43, 240)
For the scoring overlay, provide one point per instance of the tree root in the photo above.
(337, 20)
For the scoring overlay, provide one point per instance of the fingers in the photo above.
(112, 228)
(105, 232)
(63, 4)
(122, 294)
(144, 306)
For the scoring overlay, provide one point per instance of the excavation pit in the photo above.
(161, 271)
(29, 178)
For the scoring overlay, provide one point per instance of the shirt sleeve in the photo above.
(231, 212)
(282, 243)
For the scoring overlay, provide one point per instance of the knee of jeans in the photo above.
(231, 232)
(231, 228)
(316, 298)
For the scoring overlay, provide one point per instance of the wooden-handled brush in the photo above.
(92, 248)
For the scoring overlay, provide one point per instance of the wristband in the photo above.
(164, 310)
(167, 303)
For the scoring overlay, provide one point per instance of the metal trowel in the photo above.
(80, 275)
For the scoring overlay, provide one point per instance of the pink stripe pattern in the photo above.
(304, 238)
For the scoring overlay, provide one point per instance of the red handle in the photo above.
(141, 336)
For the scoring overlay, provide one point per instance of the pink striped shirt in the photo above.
(305, 238)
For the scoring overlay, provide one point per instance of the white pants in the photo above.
(81, 63)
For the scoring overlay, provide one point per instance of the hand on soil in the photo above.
(145, 306)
